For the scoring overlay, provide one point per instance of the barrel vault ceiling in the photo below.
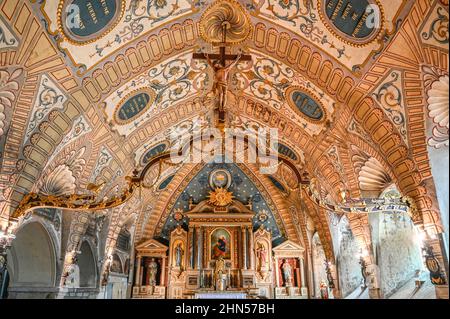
(62, 122)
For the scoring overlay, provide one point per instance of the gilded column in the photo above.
(191, 248)
(163, 272)
(251, 252)
(199, 237)
(244, 248)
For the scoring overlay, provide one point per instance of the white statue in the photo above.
(152, 270)
(286, 268)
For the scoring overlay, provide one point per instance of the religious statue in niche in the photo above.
(323, 290)
(220, 240)
(286, 270)
(261, 253)
(152, 271)
(219, 274)
(179, 252)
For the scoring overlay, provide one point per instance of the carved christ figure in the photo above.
(221, 73)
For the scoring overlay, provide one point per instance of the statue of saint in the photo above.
(152, 270)
(287, 272)
(219, 270)
(261, 253)
(179, 252)
(323, 290)
(221, 73)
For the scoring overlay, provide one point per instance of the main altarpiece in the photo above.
(221, 251)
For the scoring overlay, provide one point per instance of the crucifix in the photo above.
(218, 62)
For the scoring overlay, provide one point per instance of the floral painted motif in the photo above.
(140, 15)
(49, 98)
(172, 82)
(103, 161)
(7, 39)
(390, 97)
(438, 29)
(9, 86)
(300, 14)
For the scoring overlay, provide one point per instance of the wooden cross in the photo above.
(223, 57)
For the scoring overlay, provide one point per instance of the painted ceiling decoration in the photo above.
(94, 94)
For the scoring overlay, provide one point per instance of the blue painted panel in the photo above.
(165, 183)
(349, 16)
(94, 16)
(158, 149)
(286, 151)
(307, 105)
(133, 107)
(277, 184)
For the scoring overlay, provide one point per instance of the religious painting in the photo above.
(85, 21)
(220, 244)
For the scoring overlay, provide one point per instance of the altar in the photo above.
(219, 249)
(220, 295)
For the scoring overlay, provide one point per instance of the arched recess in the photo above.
(32, 263)
(398, 248)
(116, 265)
(318, 263)
(347, 257)
(87, 265)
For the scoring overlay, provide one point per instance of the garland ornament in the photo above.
(89, 202)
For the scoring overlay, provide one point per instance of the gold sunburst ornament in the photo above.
(225, 21)
(220, 197)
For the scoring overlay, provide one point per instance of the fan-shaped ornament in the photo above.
(225, 21)
(438, 101)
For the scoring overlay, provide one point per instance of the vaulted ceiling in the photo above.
(90, 104)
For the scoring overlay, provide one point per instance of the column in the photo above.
(137, 276)
(162, 279)
(251, 248)
(141, 274)
(302, 272)
(191, 247)
(277, 272)
(244, 248)
(199, 237)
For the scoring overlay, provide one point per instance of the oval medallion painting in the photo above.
(84, 21)
(152, 152)
(133, 105)
(356, 22)
(306, 106)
